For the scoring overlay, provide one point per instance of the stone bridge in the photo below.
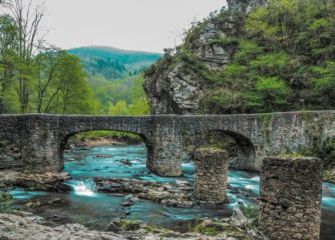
(39, 140)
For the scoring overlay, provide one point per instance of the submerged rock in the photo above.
(103, 156)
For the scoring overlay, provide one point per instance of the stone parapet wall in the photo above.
(291, 198)
(211, 175)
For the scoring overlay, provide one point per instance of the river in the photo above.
(95, 210)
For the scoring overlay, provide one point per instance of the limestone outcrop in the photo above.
(177, 83)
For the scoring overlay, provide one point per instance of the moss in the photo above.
(128, 225)
(250, 211)
(291, 155)
(5, 197)
(329, 175)
(6, 202)
(215, 228)
(210, 148)
(265, 119)
(210, 230)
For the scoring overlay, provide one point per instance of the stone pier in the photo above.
(211, 175)
(290, 198)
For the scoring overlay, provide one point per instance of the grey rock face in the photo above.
(185, 91)
(244, 5)
(174, 92)
(173, 84)
(178, 89)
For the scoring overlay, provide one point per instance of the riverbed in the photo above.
(95, 210)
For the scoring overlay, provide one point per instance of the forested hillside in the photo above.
(113, 63)
(116, 78)
(36, 77)
(251, 57)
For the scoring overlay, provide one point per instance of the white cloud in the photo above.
(149, 25)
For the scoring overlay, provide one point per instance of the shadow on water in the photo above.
(96, 210)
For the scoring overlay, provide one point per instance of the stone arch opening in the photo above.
(241, 151)
(141, 139)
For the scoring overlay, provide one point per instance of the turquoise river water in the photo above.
(96, 210)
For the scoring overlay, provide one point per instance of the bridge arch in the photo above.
(65, 138)
(243, 154)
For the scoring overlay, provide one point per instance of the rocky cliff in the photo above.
(178, 82)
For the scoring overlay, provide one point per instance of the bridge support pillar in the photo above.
(291, 198)
(40, 145)
(211, 175)
(165, 152)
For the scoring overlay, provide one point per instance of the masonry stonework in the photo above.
(211, 175)
(38, 140)
(290, 201)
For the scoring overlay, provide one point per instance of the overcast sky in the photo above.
(148, 25)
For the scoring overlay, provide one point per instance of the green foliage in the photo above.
(121, 97)
(283, 60)
(33, 76)
(329, 176)
(322, 79)
(271, 93)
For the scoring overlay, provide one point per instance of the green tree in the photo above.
(120, 108)
(27, 43)
(7, 59)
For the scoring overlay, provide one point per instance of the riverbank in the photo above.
(24, 225)
(103, 138)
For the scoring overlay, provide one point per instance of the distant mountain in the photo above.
(113, 63)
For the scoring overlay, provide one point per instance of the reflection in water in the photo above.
(97, 209)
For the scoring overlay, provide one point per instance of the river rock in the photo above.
(50, 181)
(26, 226)
(205, 229)
(169, 194)
(13, 227)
